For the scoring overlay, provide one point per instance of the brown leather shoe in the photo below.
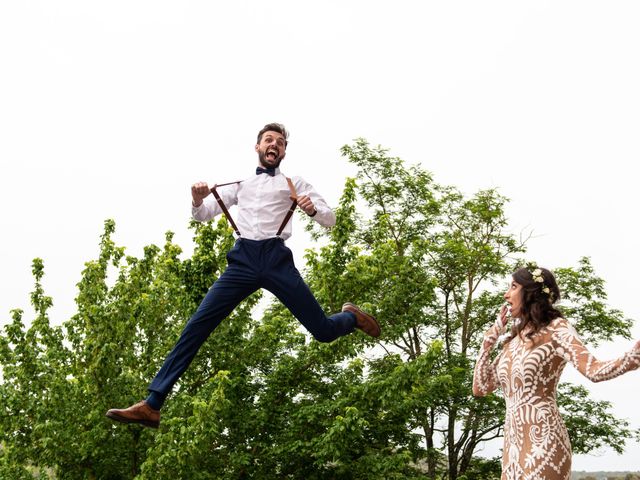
(140, 413)
(365, 322)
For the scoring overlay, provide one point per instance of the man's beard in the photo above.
(265, 164)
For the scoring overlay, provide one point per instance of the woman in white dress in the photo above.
(528, 368)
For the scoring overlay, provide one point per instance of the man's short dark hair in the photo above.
(274, 127)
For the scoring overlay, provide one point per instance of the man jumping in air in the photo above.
(259, 259)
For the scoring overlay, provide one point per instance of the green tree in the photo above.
(290, 407)
(429, 258)
(262, 400)
(59, 381)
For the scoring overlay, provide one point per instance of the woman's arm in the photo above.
(568, 345)
(485, 375)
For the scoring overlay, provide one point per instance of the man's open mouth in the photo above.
(272, 153)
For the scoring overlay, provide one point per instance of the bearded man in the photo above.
(259, 259)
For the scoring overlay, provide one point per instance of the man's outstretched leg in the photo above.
(286, 283)
(234, 285)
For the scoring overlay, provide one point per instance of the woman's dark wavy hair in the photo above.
(537, 310)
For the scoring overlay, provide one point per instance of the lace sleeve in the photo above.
(568, 345)
(485, 375)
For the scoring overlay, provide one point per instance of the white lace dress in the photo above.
(536, 443)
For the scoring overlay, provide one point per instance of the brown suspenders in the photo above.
(294, 199)
(293, 196)
(223, 207)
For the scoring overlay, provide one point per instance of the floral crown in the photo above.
(536, 274)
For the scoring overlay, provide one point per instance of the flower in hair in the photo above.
(536, 275)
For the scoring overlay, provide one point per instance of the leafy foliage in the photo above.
(261, 399)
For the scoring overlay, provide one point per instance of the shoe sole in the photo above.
(146, 423)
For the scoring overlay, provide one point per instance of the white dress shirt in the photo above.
(262, 202)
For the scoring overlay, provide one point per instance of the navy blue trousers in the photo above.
(252, 264)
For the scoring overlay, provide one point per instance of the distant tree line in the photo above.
(609, 476)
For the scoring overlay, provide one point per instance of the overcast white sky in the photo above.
(112, 110)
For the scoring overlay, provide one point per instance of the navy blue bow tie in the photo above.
(269, 171)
